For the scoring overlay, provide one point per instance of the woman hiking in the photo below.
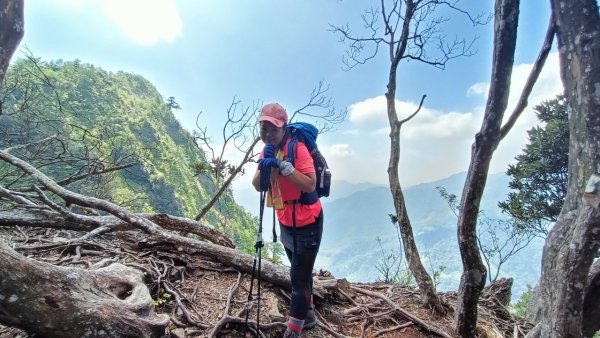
(291, 192)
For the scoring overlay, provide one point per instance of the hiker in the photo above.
(300, 223)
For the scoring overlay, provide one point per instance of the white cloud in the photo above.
(547, 86)
(338, 150)
(436, 144)
(428, 123)
(434, 125)
(368, 110)
(373, 111)
(478, 89)
(146, 22)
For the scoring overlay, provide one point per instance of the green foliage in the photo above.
(404, 278)
(451, 199)
(519, 308)
(162, 300)
(172, 104)
(274, 252)
(102, 119)
(539, 177)
(437, 274)
(498, 239)
(389, 266)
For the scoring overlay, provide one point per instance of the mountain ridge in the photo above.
(129, 122)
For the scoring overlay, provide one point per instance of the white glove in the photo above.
(286, 168)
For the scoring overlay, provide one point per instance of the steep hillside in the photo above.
(103, 118)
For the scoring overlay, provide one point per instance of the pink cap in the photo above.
(274, 113)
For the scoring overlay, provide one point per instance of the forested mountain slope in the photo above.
(103, 120)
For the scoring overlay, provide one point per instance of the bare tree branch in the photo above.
(531, 79)
(416, 111)
(95, 171)
(20, 146)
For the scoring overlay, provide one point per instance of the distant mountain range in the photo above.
(357, 214)
(352, 225)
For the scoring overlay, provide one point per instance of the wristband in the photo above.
(286, 168)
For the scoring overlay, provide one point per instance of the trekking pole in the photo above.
(257, 256)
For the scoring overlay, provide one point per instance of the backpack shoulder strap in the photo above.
(292, 147)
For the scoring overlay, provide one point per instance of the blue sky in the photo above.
(205, 53)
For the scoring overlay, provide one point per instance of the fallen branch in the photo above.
(409, 316)
(390, 329)
(65, 219)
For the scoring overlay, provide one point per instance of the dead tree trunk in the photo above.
(98, 224)
(575, 239)
(229, 256)
(55, 301)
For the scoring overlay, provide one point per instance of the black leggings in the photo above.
(308, 240)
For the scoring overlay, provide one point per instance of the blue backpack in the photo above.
(307, 134)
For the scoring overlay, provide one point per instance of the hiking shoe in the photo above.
(310, 321)
(290, 334)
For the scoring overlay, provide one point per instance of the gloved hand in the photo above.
(267, 163)
(269, 151)
(286, 168)
(265, 166)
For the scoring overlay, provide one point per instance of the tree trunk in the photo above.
(11, 32)
(591, 310)
(575, 239)
(56, 301)
(474, 273)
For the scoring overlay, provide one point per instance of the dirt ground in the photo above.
(213, 297)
